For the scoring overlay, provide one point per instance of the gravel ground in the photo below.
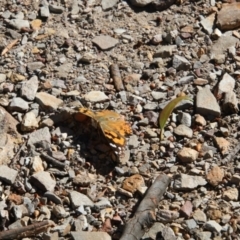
(133, 58)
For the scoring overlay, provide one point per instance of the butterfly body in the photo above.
(113, 126)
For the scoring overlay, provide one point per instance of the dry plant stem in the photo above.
(27, 231)
(53, 161)
(116, 76)
(9, 46)
(145, 215)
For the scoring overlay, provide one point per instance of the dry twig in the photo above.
(9, 46)
(145, 214)
(26, 231)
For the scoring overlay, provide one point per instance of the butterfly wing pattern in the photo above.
(113, 126)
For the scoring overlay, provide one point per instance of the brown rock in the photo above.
(187, 155)
(17, 199)
(231, 194)
(132, 183)
(228, 18)
(215, 175)
(214, 214)
(222, 144)
(186, 209)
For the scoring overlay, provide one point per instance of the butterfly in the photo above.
(113, 126)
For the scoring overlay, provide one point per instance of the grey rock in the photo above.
(90, 235)
(96, 96)
(184, 181)
(63, 70)
(185, 80)
(105, 42)
(184, 131)
(180, 63)
(108, 4)
(204, 235)
(59, 211)
(18, 23)
(78, 199)
(227, 84)
(208, 23)
(191, 224)
(150, 133)
(7, 174)
(168, 234)
(40, 136)
(222, 44)
(43, 181)
(18, 104)
(165, 51)
(3, 77)
(6, 14)
(133, 141)
(213, 226)
(158, 95)
(53, 197)
(185, 119)
(150, 106)
(206, 104)
(199, 216)
(56, 9)
(32, 66)
(44, 11)
(103, 203)
(140, 3)
(48, 101)
(29, 88)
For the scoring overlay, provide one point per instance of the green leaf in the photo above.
(166, 112)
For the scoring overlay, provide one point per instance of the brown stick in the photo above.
(116, 76)
(9, 46)
(27, 231)
(145, 214)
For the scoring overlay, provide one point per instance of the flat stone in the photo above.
(185, 182)
(63, 70)
(79, 199)
(204, 235)
(185, 119)
(29, 88)
(167, 234)
(7, 174)
(215, 176)
(191, 224)
(231, 194)
(40, 135)
(150, 106)
(206, 104)
(200, 81)
(108, 4)
(48, 101)
(18, 104)
(184, 131)
(222, 44)
(96, 96)
(213, 226)
(140, 3)
(3, 77)
(222, 144)
(29, 122)
(43, 181)
(56, 9)
(228, 16)
(226, 84)
(167, 215)
(208, 23)
(133, 183)
(32, 66)
(187, 155)
(44, 11)
(53, 197)
(133, 141)
(185, 80)
(37, 164)
(199, 216)
(200, 120)
(90, 235)
(158, 95)
(165, 51)
(180, 63)
(18, 23)
(186, 209)
(105, 42)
